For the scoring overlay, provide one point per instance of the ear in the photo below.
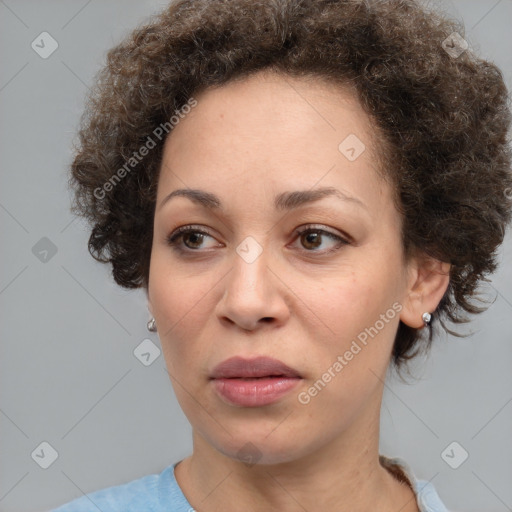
(428, 280)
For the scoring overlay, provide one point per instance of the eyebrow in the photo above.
(283, 201)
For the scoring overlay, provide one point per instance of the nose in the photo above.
(254, 295)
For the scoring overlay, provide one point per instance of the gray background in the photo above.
(68, 373)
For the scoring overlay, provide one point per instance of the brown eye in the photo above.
(188, 238)
(195, 239)
(313, 238)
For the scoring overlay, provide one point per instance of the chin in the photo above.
(261, 450)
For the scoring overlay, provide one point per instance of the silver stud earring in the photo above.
(151, 325)
(426, 318)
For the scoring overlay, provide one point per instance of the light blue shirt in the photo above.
(161, 493)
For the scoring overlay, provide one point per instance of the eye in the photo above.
(191, 236)
(312, 238)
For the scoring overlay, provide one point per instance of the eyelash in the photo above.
(174, 238)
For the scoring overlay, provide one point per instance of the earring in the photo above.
(426, 318)
(151, 325)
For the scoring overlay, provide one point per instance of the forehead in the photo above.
(271, 132)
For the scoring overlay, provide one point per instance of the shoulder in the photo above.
(426, 495)
(141, 494)
(428, 499)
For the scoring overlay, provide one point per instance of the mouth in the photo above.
(253, 382)
(255, 368)
(258, 378)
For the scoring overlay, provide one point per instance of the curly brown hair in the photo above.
(444, 121)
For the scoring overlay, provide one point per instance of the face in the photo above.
(315, 282)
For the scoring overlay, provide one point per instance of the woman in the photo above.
(304, 189)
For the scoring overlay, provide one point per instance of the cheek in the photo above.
(362, 314)
(180, 303)
(348, 366)
(348, 303)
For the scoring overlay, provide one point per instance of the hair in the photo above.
(443, 120)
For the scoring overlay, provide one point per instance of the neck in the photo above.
(343, 475)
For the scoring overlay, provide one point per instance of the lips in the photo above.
(256, 382)
(240, 368)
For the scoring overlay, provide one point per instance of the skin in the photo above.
(246, 142)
